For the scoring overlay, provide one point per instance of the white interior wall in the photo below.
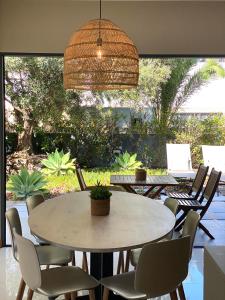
(44, 26)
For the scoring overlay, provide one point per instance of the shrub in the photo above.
(126, 161)
(196, 132)
(58, 163)
(27, 184)
(214, 130)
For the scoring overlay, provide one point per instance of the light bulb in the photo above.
(99, 53)
(99, 48)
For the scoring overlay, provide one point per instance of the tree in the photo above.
(185, 78)
(152, 73)
(165, 84)
(34, 88)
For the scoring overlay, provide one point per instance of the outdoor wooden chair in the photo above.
(196, 187)
(84, 187)
(200, 205)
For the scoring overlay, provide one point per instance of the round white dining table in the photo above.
(134, 221)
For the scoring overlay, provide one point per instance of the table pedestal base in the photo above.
(102, 266)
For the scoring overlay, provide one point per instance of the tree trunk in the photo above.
(25, 136)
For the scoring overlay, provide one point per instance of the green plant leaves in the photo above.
(58, 163)
(26, 184)
(100, 192)
(127, 161)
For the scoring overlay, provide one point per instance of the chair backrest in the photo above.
(190, 227)
(178, 157)
(199, 180)
(214, 157)
(172, 204)
(162, 267)
(211, 187)
(29, 263)
(34, 201)
(80, 178)
(13, 220)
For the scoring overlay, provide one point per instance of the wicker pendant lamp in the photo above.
(100, 56)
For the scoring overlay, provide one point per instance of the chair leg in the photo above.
(73, 295)
(206, 230)
(67, 296)
(173, 295)
(85, 262)
(92, 294)
(180, 221)
(181, 292)
(30, 294)
(105, 294)
(120, 266)
(127, 264)
(21, 290)
(73, 259)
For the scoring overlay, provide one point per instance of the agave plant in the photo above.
(27, 184)
(58, 163)
(126, 161)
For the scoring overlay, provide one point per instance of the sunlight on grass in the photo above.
(69, 183)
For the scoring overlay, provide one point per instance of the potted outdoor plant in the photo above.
(140, 174)
(100, 200)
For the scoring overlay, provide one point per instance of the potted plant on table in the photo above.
(140, 174)
(100, 200)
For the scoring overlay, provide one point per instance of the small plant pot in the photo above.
(100, 207)
(140, 174)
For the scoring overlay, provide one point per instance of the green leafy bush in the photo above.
(27, 184)
(126, 161)
(100, 192)
(197, 132)
(58, 163)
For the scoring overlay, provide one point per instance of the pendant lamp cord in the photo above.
(99, 42)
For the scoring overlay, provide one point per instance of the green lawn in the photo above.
(70, 183)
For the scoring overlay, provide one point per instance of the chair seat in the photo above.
(62, 280)
(189, 203)
(123, 285)
(51, 255)
(180, 195)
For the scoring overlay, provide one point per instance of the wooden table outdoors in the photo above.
(157, 182)
(133, 221)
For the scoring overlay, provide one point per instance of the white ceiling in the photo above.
(148, 0)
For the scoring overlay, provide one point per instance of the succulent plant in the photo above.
(100, 192)
(27, 184)
(58, 163)
(126, 161)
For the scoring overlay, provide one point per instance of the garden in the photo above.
(49, 130)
